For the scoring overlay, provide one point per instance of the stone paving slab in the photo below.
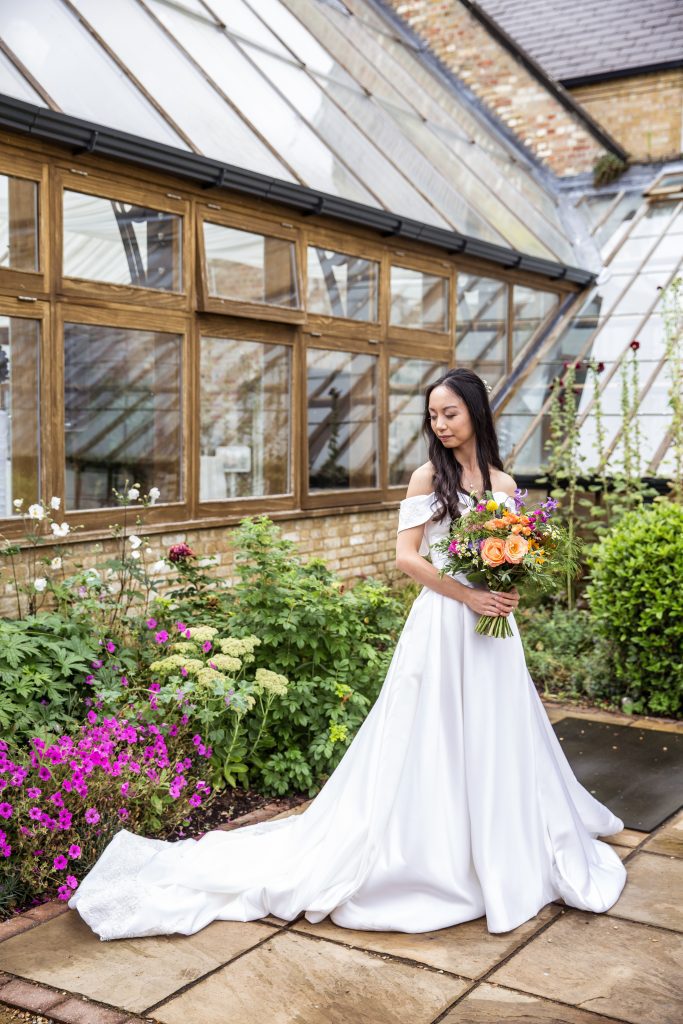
(628, 971)
(668, 839)
(128, 973)
(627, 837)
(467, 949)
(295, 979)
(653, 893)
(493, 1004)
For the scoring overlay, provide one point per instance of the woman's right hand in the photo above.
(491, 602)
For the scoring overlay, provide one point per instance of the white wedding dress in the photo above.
(453, 801)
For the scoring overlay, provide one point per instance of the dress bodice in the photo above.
(420, 508)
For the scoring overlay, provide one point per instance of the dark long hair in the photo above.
(468, 386)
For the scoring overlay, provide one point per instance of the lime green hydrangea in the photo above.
(200, 634)
(184, 647)
(210, 677)
(226, 663)
(176, 661)
(338, 732)
(271, 682)
(238, 646)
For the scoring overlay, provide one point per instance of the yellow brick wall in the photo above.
(355, 544)
(551, 132)
(644, 113)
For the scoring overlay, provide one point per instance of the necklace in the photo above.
(469, 487)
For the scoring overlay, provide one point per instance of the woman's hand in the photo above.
(492, 602)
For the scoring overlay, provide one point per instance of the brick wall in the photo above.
(521, 101)
(356, 544)
(644, 112)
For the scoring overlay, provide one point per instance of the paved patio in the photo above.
(562, 967)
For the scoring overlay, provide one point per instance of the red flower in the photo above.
(179, 552)
(577, 366)
(601, 367)
(635, 345)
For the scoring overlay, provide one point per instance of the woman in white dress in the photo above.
(453, 801)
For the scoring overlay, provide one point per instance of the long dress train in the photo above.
(453, 801)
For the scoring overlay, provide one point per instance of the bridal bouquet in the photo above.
(493, 544)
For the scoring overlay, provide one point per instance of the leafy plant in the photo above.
(636, 600)
(607, 169)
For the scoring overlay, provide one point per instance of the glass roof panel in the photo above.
(13, 83)
(263, 105)
(241, 20)
(195, 106)
(392, 189)
(63, 56)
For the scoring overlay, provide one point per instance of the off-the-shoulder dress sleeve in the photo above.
(413, 511)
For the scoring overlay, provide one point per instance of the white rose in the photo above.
(134, 542)
(158, 567)
(60, 531)
(18, 502)
(135, 554)
(36, 512)
(55, 502)
(133, 494)
(40, 583)
(154, 494)
(56, 563)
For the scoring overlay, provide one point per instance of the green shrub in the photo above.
(636, 599)
(564, 655)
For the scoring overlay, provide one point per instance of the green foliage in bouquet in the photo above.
(636, 598)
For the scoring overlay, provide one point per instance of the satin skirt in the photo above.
(453, 801)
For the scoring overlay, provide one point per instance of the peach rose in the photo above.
(493, 551)
(515, 549)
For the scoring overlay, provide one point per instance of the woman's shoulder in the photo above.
(501, 481)
(421, 481)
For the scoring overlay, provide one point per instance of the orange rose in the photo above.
(517, 528)
(515, 549)
(493, 551)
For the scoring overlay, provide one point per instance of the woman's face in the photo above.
(449, 416)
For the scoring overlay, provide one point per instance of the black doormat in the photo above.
(637, 773)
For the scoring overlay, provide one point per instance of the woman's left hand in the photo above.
(506, 602)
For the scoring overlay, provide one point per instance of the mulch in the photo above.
(234, 803)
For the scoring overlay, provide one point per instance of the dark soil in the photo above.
(231, 804)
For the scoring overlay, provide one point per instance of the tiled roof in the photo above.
(585, 38)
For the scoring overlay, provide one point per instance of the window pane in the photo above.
(418, 299)
(108, 240)
(244, 419)
(408, 379)
(531, 309)
(122, 414)
(19, 461)
(248, 267)
(342, 420)
(342, 285)
(481, 326)
(18, 223)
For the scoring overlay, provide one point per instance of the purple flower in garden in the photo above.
(60, 862)
(183, 671)
(125, 786)
(206, 646)
(124, 681)
(173, 730)
(197, 740)
(181, 627)
(161, 637)
(111, 647)
(96, 663)
(92, 816)
(187, 634)
(72, 882)
(519, 497)
(44, 773)
(5, 810)
(74, 851)
(151, 623)
(92, 717)
(5, 850)
(64, 892)
(122, 812)
(195, 800)
(89, 680)
(34, 813)
(184, 719)
(154, 687)
(33, 792)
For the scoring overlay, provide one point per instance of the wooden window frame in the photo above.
(80, 289)
(32, 283)
(329, 498)
(348, 245)
(425, 265)
(163, 322)
(13, 526)
(232, 328)
(215, 213)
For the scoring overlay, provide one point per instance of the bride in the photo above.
(453, 801)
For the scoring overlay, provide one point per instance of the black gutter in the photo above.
(609, 76)
(558, 91)
(84, 137)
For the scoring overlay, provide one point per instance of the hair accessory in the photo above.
(486, 385)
